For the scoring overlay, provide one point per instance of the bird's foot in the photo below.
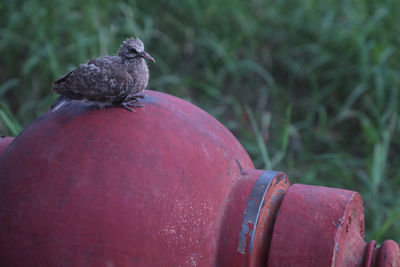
(127, 105)
(131, 103)
(139, 96)
(134, 97)
(123, 105)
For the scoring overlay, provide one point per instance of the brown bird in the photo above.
(108, 81)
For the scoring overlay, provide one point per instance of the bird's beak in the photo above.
(146, 55)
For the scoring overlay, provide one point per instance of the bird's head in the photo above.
(132, 49)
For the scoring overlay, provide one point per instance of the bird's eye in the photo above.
(133, 50)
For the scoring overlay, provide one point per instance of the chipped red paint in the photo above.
(259, 217)
(167, 185)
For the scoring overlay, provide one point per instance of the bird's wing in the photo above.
(100, 79)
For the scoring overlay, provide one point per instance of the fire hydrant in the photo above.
(167, 185)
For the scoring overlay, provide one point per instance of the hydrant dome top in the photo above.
(113, 186)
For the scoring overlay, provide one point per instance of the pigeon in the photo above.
(107, 81)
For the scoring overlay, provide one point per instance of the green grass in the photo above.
(308, 87)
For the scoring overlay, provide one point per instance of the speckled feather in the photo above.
(109, 79)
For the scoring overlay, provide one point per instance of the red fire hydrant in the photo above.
(167, 185)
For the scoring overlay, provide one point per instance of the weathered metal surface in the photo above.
(115, 188)
(369, 253)
(253, 201)
(259, 217)
(166, 185)
(320, 226)
(388, 254)
(4, 142)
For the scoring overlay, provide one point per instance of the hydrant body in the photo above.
(167, 185)
(109, 187)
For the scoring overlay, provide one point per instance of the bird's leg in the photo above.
(121, 101)
(127, 101)
(139, 95)
(134, 97)
(125, 106)
(132, 103)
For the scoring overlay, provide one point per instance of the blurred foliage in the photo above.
(309, 87)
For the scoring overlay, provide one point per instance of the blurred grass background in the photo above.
(308, 87)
